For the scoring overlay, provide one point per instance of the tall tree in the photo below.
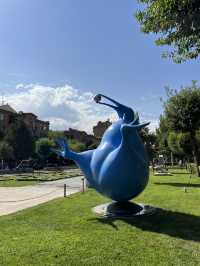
(55, 134)
(74, 144)
(150, 142)
(6, 151)
(173, 143)
(20, 139)
(162, 134)
(44, 147)
(180, 144)
(77, 146)
(178, 24)
(182, 112)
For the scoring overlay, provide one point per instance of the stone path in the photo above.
(13, 199)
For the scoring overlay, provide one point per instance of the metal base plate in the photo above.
(123, 209)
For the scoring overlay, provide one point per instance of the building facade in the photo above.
(81, 136)
(37, 128)
(100, 128)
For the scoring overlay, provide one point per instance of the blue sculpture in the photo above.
(118, 168)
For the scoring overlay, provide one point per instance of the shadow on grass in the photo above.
(175, 224)
(177, 184)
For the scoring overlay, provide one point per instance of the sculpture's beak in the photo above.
(140, 126)
(124, 112)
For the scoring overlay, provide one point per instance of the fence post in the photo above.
(65, 190)
(83, 184)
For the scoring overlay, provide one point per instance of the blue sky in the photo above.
(88, 46)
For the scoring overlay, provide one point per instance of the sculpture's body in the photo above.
(118, 168)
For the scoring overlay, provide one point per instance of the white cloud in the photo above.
(63, 106)
(24, 86)
(19, 86)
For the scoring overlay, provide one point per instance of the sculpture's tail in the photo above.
(65, 152)
(82, 159)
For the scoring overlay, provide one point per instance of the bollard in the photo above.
(83, 184)
(65, 190)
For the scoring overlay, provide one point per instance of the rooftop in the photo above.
(28, 114)
(7, 108)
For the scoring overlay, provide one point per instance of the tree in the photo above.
(173, 143)
(74, 144)
(182, 112)
(20, 139)
(6, 151)
(56, 134)
(162, 134)
(1, 135)
(180, 144)
(150, 142)
(178, 24)
(198, 141)
(185, 144)
(43, 148)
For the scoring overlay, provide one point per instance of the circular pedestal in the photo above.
(123, 209)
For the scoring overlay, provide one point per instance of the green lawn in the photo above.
(36, 177)
(66, 232)
(15, 183)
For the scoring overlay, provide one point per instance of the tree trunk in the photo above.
(195, 152)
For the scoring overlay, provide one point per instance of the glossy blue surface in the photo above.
(118, 168)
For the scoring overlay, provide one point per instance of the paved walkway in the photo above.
(13, 199)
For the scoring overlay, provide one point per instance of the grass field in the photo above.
(36, 177)
(66, 232)
(12, 182)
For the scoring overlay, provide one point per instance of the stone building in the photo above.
(100, 128)
(81, 136)
(91, 141)
(37, 127)
(6, 115)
